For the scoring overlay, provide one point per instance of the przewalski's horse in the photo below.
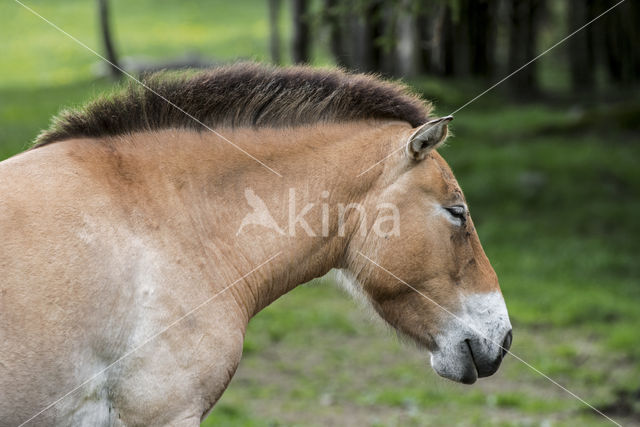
(128, 214)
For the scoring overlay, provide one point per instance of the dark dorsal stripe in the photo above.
(240, 95)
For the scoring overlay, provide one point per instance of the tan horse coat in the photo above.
(107, 241)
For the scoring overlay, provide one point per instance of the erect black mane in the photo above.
(240, 95)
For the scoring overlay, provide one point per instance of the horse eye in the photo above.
(459, 212)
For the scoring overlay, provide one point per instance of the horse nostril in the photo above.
(506, 344)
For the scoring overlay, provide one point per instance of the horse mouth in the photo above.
(484, 368)
(458, 365)
(464, 365)
(464, 354)
(471, 375)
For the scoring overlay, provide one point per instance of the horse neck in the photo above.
(219, 185)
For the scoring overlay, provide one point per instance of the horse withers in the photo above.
(141, 233)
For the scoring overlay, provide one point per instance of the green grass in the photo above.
(557, 213)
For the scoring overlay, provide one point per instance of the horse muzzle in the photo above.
(473, 343)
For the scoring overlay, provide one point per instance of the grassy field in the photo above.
(555, 198)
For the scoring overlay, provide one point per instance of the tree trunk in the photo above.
(425, 21)
(523, 36)
(621, 37)
(107, 43)
(448, 47)
(274, 31)
(482, 26)
(373, 33)
(335, 21)
(406, 36)
(462, 44)
(301, 36)
(580, 49)
(459, 40)
(433, 40)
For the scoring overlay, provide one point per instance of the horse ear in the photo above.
(427, 137)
